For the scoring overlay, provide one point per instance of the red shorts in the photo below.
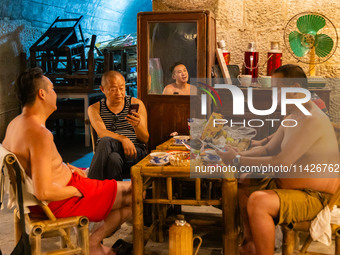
(96, 202)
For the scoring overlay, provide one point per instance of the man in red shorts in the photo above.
(66, 189)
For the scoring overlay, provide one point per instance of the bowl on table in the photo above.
(159, 158)
(180, 139)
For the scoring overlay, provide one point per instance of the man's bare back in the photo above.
(23, 133)
(29, 139)
(312, 141)
(321, 148)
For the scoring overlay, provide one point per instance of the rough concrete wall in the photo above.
(263, 21)
(22, 22)
(15, 36)
(105, 18)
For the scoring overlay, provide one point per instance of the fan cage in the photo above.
(328, 29)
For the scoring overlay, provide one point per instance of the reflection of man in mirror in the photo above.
(181, 85)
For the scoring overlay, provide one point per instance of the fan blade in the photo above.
(295, 39)
(310, 24)
(323, 45)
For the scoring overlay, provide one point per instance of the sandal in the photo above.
(121, 247)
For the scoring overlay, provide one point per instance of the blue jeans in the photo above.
(110, 162)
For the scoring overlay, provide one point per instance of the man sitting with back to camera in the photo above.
(122, 136)
(266, 202)
(65, 187)
(180, 86)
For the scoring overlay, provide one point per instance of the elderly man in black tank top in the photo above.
(122, 137)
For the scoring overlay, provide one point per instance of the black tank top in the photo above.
(117, 122)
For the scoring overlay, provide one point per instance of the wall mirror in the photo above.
(164, 38)
(170, 42)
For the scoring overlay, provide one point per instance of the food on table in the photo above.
(210, 130)
(179, 158)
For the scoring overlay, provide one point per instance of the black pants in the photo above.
(109, 161)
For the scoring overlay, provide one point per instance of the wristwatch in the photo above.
(236, 160)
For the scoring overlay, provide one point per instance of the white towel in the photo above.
(335, 215)
(320, 229)
(27, 184)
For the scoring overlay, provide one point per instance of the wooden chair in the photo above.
(60, 44)
(47, 226)
(289, 230)
(94, 138)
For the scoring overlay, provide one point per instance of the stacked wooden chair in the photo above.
(60, 49)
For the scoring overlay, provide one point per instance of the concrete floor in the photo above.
(211, 235)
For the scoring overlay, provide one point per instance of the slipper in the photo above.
(121, 247)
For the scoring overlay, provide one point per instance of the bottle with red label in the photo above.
(226, 54)
(274, 58)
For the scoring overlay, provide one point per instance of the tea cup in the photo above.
(265, 81)
(180, 139)
(245, 80)
(159, 156)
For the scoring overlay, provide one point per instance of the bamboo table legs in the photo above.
(229, 215)
(137, 211)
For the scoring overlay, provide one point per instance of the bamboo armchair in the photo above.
(49, 226)
(289, 232)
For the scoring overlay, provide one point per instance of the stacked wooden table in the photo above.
(144, 172)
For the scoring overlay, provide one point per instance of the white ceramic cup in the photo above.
(157, 156)
(181, 138)
(245, 80)
(265, 81)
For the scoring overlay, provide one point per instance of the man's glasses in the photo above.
(114, 127)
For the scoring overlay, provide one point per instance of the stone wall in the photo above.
(263, 21)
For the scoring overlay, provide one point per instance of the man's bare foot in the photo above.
(247, 248)
(101, 250)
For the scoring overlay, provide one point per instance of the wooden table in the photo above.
(86, 97)
(170, 145)
(144, 170)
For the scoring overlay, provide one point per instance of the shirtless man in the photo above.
(181, 85)
(66, 189)
(312, 141)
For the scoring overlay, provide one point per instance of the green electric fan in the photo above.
(311, 38)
